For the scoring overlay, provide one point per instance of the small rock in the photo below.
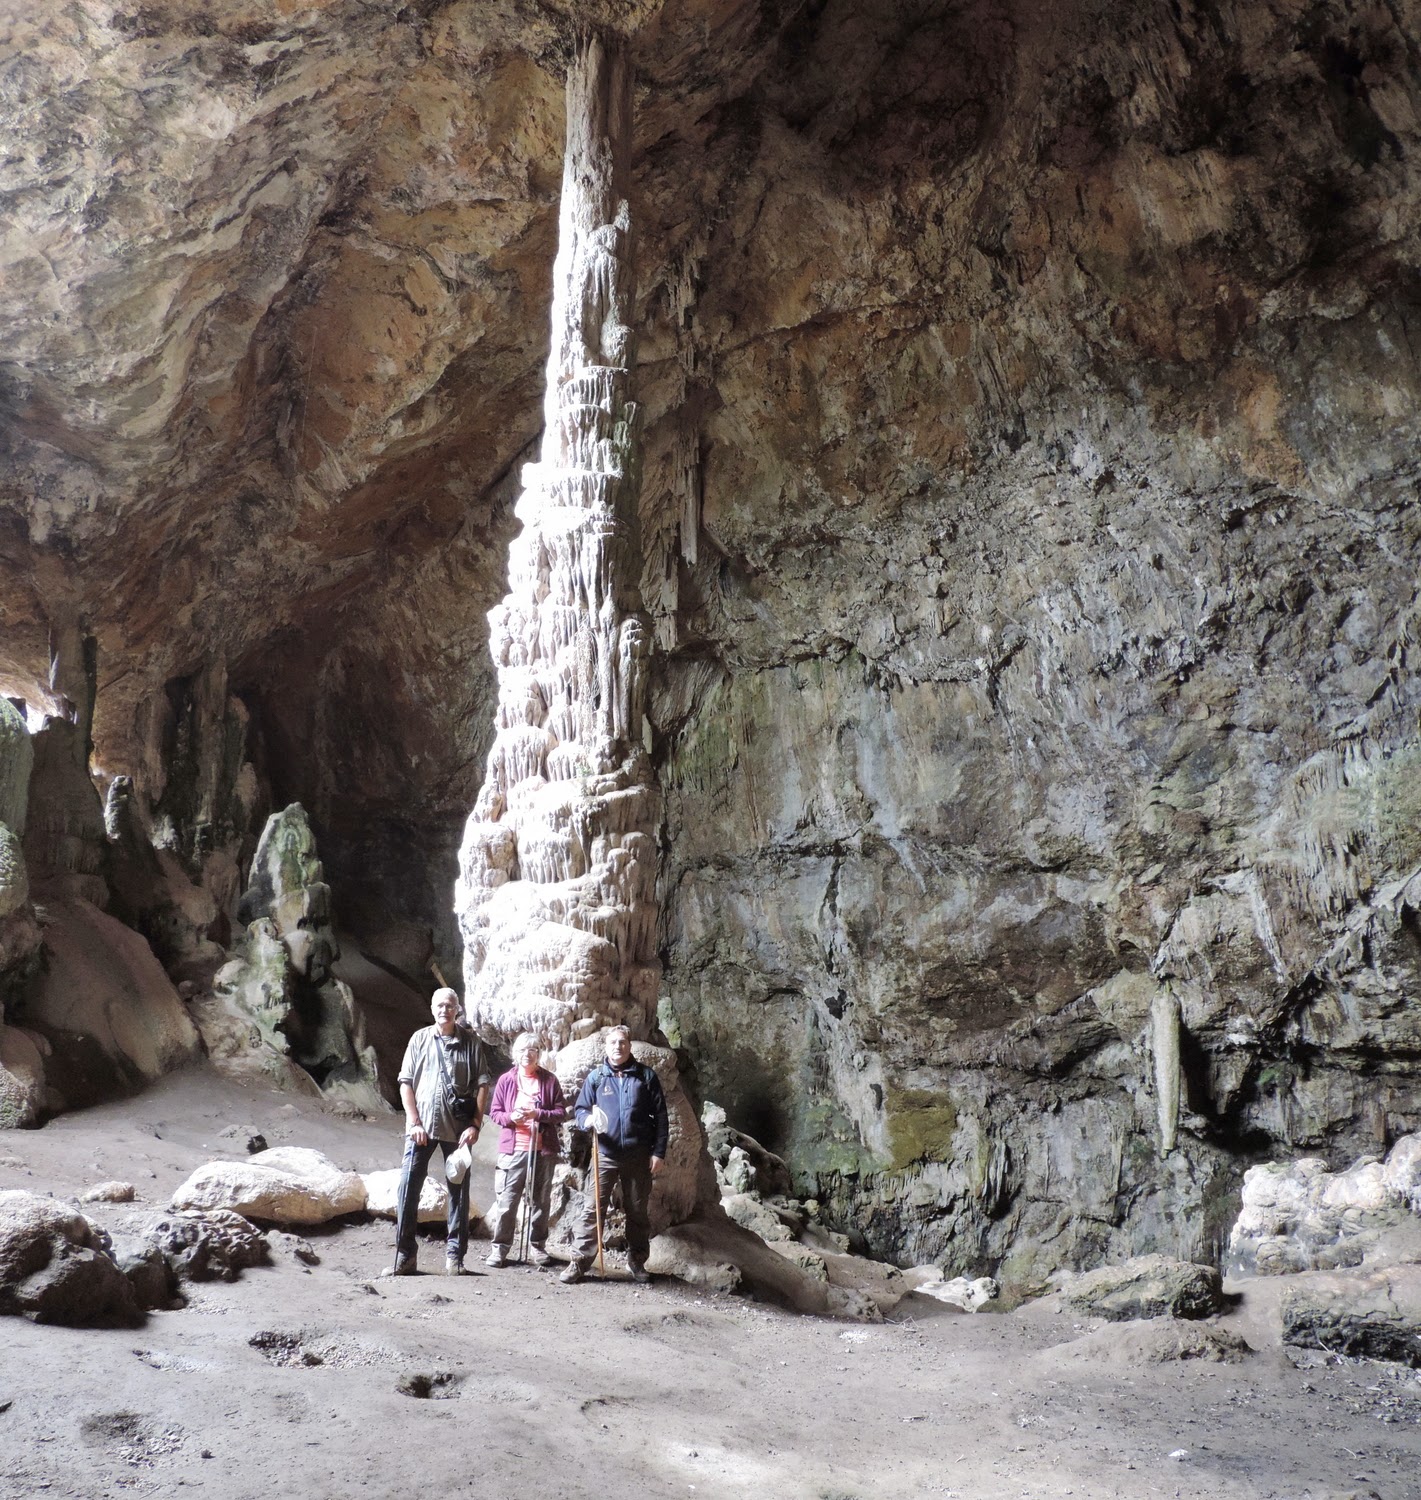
(256, 1143)
(108, 1192)
(297, 1248)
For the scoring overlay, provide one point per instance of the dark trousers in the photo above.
(633, 1171)
(412, 1174)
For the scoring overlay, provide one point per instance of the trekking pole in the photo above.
(530, 1183)
(597, 1198)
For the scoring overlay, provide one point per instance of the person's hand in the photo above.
(469, 1136)
(656, 1165)
(598, 1119)
(418, 1134)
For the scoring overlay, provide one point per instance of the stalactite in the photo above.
(1164, 1044)
(556, 904)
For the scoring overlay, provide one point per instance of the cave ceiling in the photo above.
(275, 290)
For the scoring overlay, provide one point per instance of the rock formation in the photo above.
(276, 1008)
(557, 872)
(1299, 1216)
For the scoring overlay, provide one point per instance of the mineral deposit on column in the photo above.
(557, 872)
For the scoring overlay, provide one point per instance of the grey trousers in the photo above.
(633, 1171)
(509, 1184)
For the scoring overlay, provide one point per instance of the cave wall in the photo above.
(1046, 389)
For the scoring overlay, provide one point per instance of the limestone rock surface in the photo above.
(285, 1185)
(382, 1196)
(1376, 1316)
(1151, 1286)
(1299, 1216)
(104, 1006)
(55, 1266)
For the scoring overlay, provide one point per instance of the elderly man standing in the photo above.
(621, 1100)
(444, 1084)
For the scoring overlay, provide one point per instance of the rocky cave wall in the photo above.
(1042, 678)
(1028, 519)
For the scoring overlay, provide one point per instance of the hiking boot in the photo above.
(454, 1265)
(640, 1274)
(497, 1258)
(405, 1265)
(575, 1271)
(538, 1256)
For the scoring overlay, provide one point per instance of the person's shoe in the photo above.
(574, 1272)
(405, 1265)
(497, 1258)
(454, 1265)
(640, 1274)
(538, 1256)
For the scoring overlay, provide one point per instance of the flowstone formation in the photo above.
(557, 872)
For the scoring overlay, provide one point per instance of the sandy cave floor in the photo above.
(286, 1381)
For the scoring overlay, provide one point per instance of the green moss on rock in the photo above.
(921, 1124)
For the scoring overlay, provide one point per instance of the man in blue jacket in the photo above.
(621, 1100)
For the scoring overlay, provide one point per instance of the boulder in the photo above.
(298, 1187)
(1376, 1315)
(811, 1262)
(345, 1189)
(106, 1007)
(21, 1079)
(742, 1164)
(277, 1007)
(1299, 1216)
(970, 1295)
(55, 1266)
(1152, 1286)
(714, 1252)
(216, 1245)
(759, 1218)
(1401, 1172)
(881, 1283)
(382, 1196)
(151, 1275)
(1157, 1342)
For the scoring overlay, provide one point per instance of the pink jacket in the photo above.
(552, 1111)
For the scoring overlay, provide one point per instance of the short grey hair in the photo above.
(439, 994)
(522, 1040)
(626, 1031)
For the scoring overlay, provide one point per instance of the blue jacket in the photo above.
(634, 1105)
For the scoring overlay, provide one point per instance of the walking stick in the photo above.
(597, 1198)
(530, 1183)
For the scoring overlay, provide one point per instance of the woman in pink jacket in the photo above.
(528, 1107)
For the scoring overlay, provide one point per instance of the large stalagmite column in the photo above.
(557, 872)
